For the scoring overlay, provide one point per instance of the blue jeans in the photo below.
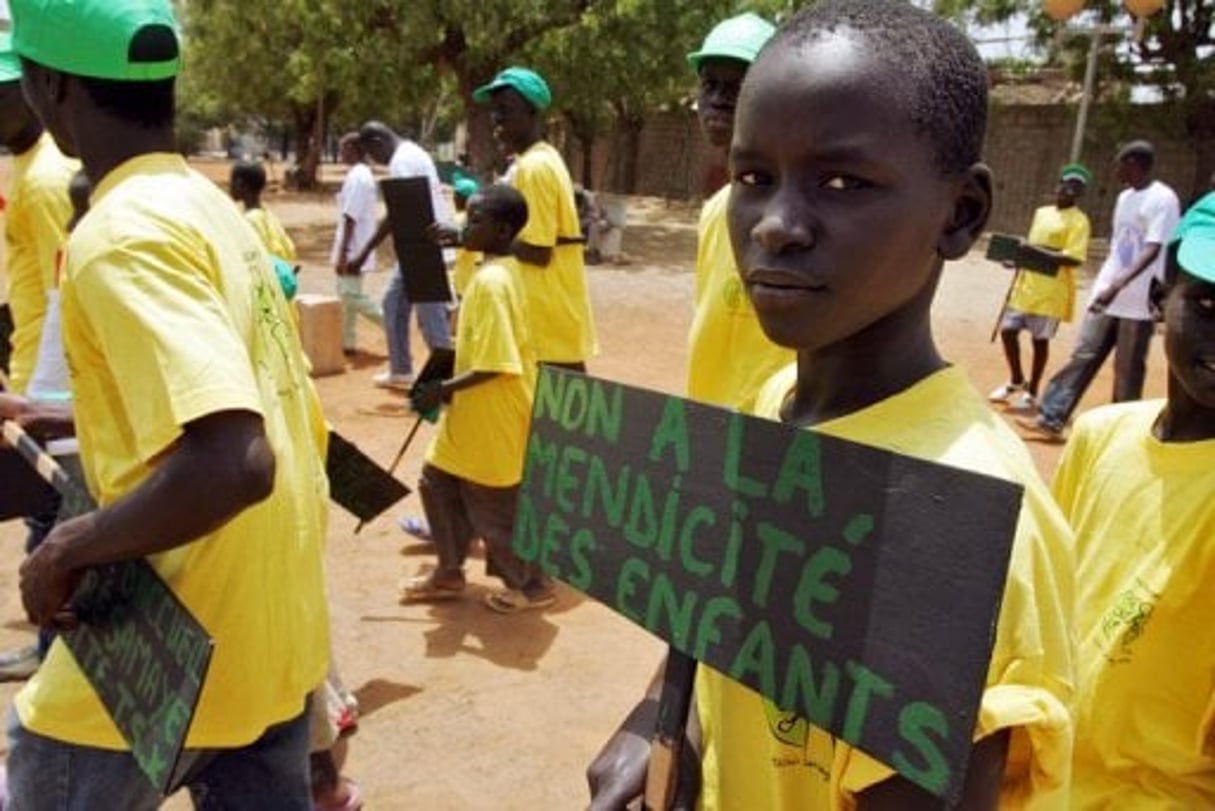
(432, 319)
(1099, 335)
(50, 775)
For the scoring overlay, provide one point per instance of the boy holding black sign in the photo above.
(470, 481)
(185, 369)
(1136, 481)
(1037, 301)
(863, 114)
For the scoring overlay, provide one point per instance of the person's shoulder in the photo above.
(714, 208)
(1133, 418)
(1164, 194)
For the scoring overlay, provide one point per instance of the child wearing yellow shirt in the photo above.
(856, 175)
(246, 184)
(1136, 480)
(470, 480)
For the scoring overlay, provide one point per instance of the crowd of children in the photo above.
(853, 114)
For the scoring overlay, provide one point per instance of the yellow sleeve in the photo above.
(48, 211)
(540, 187)
(164, 330)
(1076, 244)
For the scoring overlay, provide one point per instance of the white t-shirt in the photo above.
(411, 160)
(356, 200)
(1141, 216)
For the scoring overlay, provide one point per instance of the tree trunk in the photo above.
(630, 154)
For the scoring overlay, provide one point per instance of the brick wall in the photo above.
(1025, 147)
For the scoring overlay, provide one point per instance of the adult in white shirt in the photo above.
(356, 226)
(404, 158)
(1119, 317)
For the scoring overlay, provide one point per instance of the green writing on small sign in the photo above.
(854, 588)
(146, 657)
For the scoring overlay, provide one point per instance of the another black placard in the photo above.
(1007, 248)
(357, 482)
(22, 491)
(410, 212)
(146, 657)
(855, 588)
(6, 335)
(140, 648)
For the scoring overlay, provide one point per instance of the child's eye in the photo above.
(1207, 303)
(752, 177)
(844, 183)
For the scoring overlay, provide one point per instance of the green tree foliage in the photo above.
(1176, 54)
(627, 60)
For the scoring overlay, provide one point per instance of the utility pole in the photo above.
(1096, 34)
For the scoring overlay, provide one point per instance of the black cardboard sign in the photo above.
(6, 336)
(853, 587)
(147, 658)
(421, 260)
(22, 491)
(1007, 248)
(140, 648)
(357, 483)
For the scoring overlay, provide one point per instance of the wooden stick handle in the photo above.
(674, 703)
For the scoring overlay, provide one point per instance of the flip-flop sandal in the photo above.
(424, 589)
(513, 601)
(416, 527)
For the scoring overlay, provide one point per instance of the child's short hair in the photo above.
(933, 64)
(352, 140)
(251, 174)
(1140, 151)
(502, 204)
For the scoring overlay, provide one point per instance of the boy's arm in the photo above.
(41, 419)
(343, 267)
(357, 261)
(430, 396)
(984, 777)
(616, 777)
(532, 254)
(1050, 255)
(227, 449)
(1142, 263)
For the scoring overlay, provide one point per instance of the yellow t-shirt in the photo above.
(1144, 516)
(729, 357)
(1065, 230)
(171, 312)
(941, 418)
(557, 296)
(483, 432)
(271, 233)
(35, 227)
(465, 264)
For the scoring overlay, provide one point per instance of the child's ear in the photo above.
(971, 208)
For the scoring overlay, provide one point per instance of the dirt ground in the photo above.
(466, 709)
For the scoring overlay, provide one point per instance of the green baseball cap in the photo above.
(1197, 234)
(120, 40)
(739, 38)
(10, 65)
(465, 186)
(1076, 171)
(529, 84)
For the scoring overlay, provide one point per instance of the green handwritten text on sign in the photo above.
(146, 656)
(141, 649)
(856, 589)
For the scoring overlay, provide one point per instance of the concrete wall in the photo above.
(1025, 147)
